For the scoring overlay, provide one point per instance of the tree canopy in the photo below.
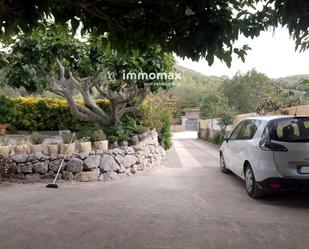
(193, 28)
(55, 60)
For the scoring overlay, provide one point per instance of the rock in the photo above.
(133, 169)
(18, 170)
(54, 165)
(122, 175)
(140, 167)
(92, 161)
(109, 176)
(40, 167)
(119, 159)
(75, 165)
(67, 176)
(19, 158)
(51, 175)
(54, 157)
(129, 150)
(128, 172)
(100, 178)
(35, 156)
(88, 176)
(26, 168)
(82, 155)
(121, 170)
(129, 160)
(108, 163)
(118, 151)
(33, 177)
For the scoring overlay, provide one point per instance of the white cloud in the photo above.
(273, 53)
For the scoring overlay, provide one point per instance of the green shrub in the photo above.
(6, 109)
(217, 138)
(165, 134)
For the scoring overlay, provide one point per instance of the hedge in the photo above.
(37, 114)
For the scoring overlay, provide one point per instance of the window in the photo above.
(290, 129)
(249, 129)
(236, 131)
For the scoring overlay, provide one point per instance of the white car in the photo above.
(269, 153)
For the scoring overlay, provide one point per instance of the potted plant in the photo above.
(3, 129)
(5, 147)
(100, 142)
(21, 145)
(142, 132)
(67, 147)
(53, 148)
(36, 142)
(123, 140)
(134, 140)
(113, 141)
(85, 144)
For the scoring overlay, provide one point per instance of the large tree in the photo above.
(55, 60)
(193, 28)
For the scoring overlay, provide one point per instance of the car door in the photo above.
(243, 143)
(230, 144)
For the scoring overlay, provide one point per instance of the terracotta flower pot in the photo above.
(68, 149)
(53, 149)
(36, 148)
(85, 147)
(5, 150)
(134, 140)
(3, 129)
(101, 145)
(21, 149)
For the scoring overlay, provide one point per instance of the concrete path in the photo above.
(188, 204)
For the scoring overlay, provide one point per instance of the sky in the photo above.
(272, 53)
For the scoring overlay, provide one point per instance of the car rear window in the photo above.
(290, 129)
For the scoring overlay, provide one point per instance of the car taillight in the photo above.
(273, 147)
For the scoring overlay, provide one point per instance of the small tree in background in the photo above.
(55, 60)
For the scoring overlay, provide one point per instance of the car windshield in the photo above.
(290, 129)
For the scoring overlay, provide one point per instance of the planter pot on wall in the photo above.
(21, 149)
(68, 149)
(85, 147)
(5, 150)
(101, 145)
(3, 129)
(36, 148)
(53, 149)
(124, 143)
(134, 140)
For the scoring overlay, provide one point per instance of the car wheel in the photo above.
(223, 167)
(251, 186)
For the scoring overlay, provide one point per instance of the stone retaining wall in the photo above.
(110, 165)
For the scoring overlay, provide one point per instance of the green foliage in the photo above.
(67, 138)
(33, 60)
(36, 138)
(157, 113)
(217, 138)
(99, 135)
(191, 89)
(165, 134)
(243, 91)
(276, 100)
(4, 141)
(6, 109)
(40, 114)
(190, 28)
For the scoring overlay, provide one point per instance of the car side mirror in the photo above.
(225, 138)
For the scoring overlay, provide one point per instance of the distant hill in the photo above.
(291, 82)
(196, 78)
